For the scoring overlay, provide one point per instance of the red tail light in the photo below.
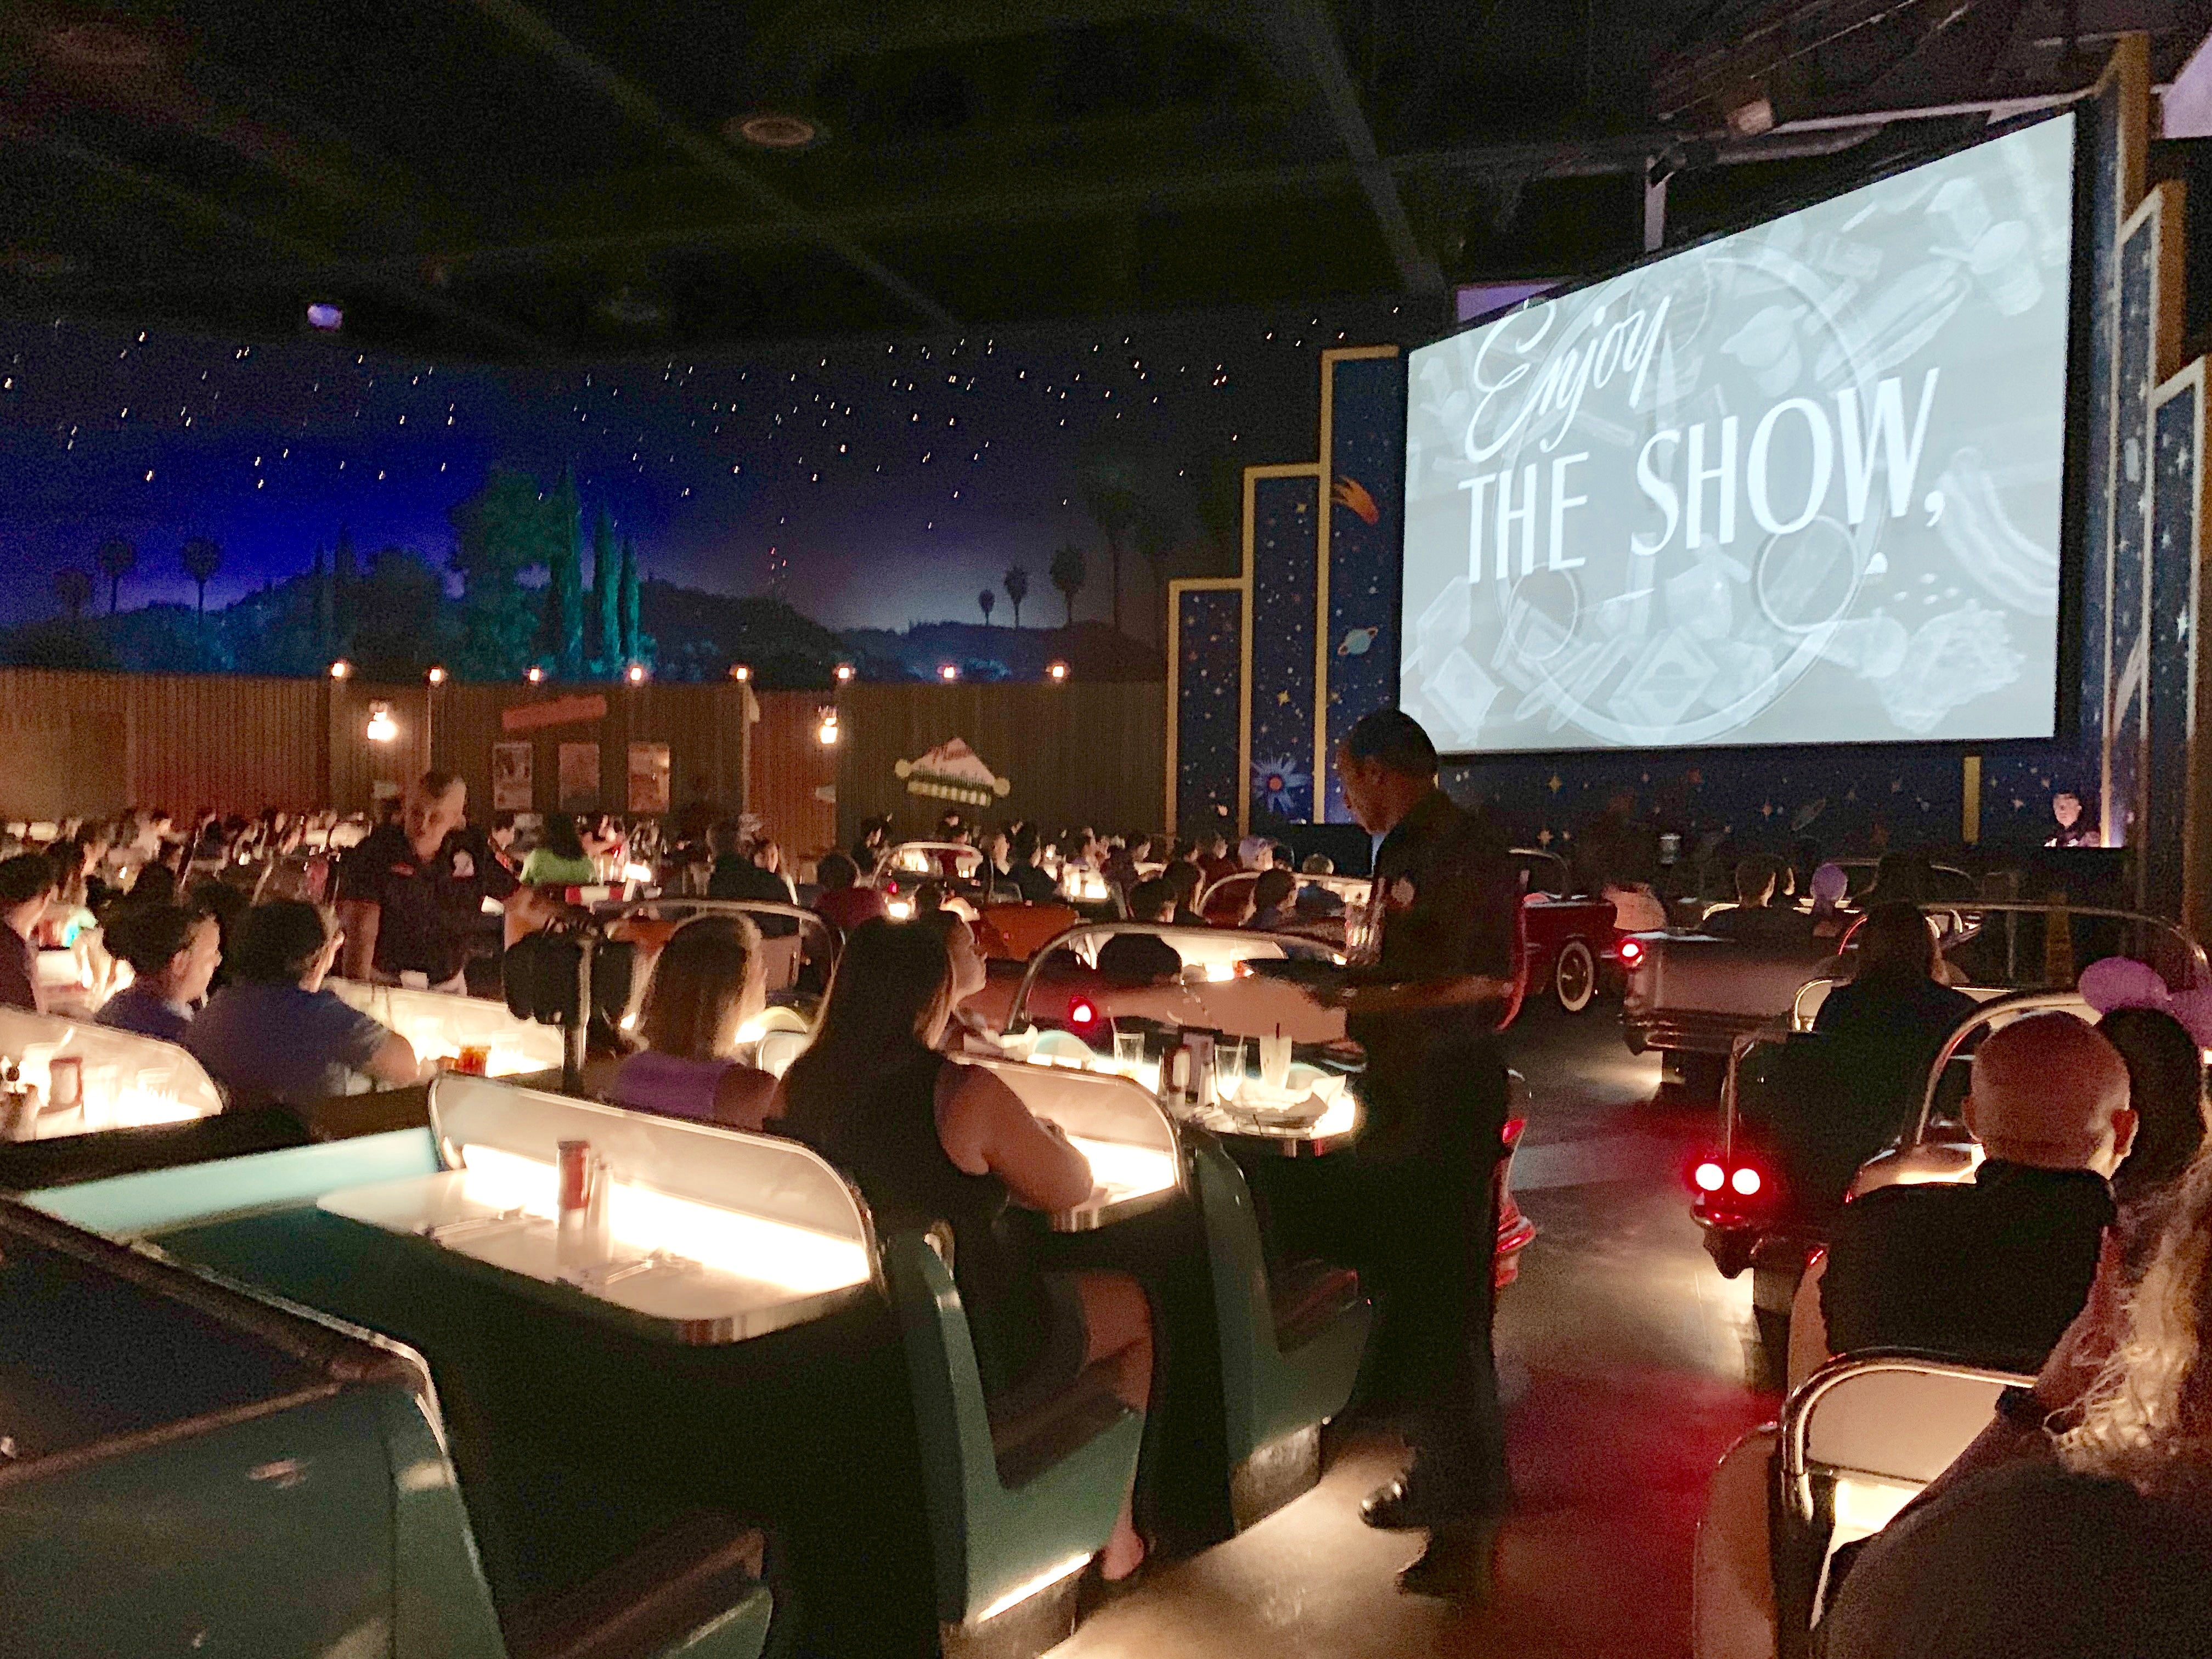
(1082, 1014)
(1731, 1183)
(1631, 952)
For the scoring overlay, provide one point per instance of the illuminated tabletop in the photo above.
(712, 1235)
(438, 1026)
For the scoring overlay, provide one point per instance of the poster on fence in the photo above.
(648, 777)
(580, 777)
(510, 777)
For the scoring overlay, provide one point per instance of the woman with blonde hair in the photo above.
(707, 983)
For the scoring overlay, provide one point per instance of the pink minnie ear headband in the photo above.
(2113, 982)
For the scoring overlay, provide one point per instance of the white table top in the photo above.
(690, 1271)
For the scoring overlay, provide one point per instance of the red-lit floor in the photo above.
(1628, 1354)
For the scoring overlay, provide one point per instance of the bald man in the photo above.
(1991, 1271)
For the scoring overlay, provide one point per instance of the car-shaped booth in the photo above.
(1284, 1079)
(1320, 903)
(125, 1102)
(1085, 982)
(1856, 1442)
(192, 1466)
(1571, 940)
(1288, 1335)
(726, 1331)
(1809, 1118)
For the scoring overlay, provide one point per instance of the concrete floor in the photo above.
(1628, 1356)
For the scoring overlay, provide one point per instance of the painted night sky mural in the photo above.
(408, 512)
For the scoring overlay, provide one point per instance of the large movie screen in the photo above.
(1798, 484)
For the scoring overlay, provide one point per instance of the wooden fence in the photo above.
(80, 744)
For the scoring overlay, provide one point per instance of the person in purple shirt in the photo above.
(173, 953)
(274, 1036)
(706, 984)
(27, 888)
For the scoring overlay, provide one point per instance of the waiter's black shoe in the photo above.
(1420, 1498)
(1457, 1563)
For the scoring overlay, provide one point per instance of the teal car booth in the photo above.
(142, 1104)
(125, 1081)
(1017, 1506)
(193, 1467)
(1292, 1342)
(1288, 1341)
(720, 1342)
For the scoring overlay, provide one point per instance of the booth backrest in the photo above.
(66, 1160)
(1696, 972)
(142, 1393)
(1095, 1105)
(1896, 1417)
(128, 1079)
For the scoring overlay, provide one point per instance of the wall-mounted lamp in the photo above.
(826, 732)
(534, 674)
(436, 676)
(949, 672)
(635, 673)
(341, 669)
(844, 673)
(741, 671)
(381, 727)
(1056, 672)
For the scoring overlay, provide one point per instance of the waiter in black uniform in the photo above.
(410, 896)
(1433, 962)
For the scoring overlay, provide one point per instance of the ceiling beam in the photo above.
(634, 101)
(1057, 200)
(1309, 34)
(387, 277)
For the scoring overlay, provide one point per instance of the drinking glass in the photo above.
(1129, 1049)
(1228, 1066)
(1275, 1062)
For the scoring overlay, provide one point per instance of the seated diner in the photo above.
(706, 984)
(173, 953)
(276, 1036)
(928, 1140)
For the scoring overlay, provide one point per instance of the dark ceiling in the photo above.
(525, 179)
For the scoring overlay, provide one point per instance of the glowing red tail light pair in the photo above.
(1711, 1176)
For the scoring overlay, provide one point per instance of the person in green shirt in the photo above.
(561, 861)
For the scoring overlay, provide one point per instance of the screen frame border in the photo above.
(2073, 530)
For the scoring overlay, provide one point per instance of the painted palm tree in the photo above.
(117, 559)
(201, 558)
(73, 587)
(987, 601)
(1112, 506)
(1017, 582)
(1069, 572)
